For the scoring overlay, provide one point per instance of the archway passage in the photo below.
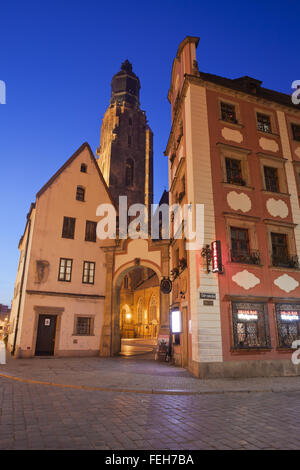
(140, 305)
(135, 309)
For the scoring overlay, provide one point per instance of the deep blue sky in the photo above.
(57, 59)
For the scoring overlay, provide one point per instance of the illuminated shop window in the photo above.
(250, 325)
(288, 324)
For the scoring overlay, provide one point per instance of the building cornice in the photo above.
(200, 81)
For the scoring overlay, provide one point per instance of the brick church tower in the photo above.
(125, 155)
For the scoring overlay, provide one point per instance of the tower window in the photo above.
(130, 121)
(80, 191)
(83, 168)
(129, 172)
(129, 140)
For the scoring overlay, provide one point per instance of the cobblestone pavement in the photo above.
(44, 417)
(169, 409)
(135, 371)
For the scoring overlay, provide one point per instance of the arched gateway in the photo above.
(122, 257)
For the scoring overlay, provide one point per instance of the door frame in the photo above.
(47, 346)
(185, 336)
(41, 310)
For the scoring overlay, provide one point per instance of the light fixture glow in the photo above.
(176, 321)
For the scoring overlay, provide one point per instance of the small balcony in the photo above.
(247, 257)
(286, 261)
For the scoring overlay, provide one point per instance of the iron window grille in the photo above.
(288, 324)
(247, 257)
(240, 247)
(83, 325)
(90, 231)
(88, 272)
(296, 131)
(250, 325)
(264, 123)
(68, 230)
(280, 254)
(234, 171)
(65, 269)
(228, 112)
(271, 179)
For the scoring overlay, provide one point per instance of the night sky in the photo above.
(58, 58)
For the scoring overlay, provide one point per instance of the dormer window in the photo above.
(80, 192)
(83, 168)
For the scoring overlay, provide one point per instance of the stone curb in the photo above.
(142, 392)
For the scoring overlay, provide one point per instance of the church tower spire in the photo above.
(125, 155)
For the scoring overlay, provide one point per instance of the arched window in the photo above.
(83, 168)
(140, 311)
(129, 172)
(152, 308)
(80, 192)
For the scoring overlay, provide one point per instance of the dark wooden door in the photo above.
(45, 335)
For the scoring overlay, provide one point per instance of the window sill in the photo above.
(273, 193)
(250, 350)
(282, 268)
(285, 349)
(74, 334)
(232, 263)
(239, 186)
(264, 133)
(233, 124)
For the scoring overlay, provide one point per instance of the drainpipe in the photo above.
(21, 289)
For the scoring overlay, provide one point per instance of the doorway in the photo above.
(45, 340)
